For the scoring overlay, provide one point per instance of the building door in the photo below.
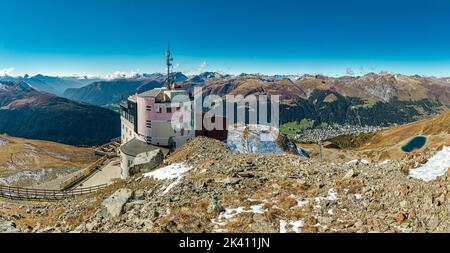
(172, 144)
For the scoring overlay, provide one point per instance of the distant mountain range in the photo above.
(105, 93)
(372, 99)
(29, 113)
(109, 93)
(50, 84)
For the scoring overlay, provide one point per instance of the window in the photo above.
(158, 110)
(149, 124)
(178, 108)
(149, 108)
(169, 110)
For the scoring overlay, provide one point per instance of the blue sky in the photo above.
(98, 37)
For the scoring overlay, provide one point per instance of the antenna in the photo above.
(169, 60)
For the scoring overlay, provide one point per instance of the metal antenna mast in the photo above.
(169, 69)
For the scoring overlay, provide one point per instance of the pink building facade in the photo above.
(164, 117)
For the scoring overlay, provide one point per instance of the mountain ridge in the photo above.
(28, 113)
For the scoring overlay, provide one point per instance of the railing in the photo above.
(81, 175)
(17, 193)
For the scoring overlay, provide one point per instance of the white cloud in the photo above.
(6, 72)
(202, 66)
(122, 74)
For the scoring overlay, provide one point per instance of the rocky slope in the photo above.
(206, 188)
(29, 113)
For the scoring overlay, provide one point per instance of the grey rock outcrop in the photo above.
(147, 162)
(113, 206)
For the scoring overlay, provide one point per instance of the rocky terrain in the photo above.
(207, 188)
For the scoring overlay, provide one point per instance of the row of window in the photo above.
(168, 109)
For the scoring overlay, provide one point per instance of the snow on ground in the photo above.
(173, 171)
(383, 163)
(352, 162)
(365, 162)
(294, 226)
(332, 196)
(34, 176)
(437, 166)
(230, 213)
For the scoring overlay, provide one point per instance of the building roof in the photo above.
(135, 147)
(151, 93)
(132, 98)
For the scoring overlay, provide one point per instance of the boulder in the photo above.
(146, 162)
(113, 206)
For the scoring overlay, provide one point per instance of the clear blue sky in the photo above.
(233, 36)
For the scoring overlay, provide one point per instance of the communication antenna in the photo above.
(169, 60)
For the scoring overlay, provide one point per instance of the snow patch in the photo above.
(384, 163)
(174, 171)
(230, 213)
(294, 226)
(436, 167)
(365, 162)
(332, 196)
(352, 162)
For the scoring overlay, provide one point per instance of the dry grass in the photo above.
(390, 141)
(21, 153)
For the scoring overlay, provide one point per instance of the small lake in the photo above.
(417, 142)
